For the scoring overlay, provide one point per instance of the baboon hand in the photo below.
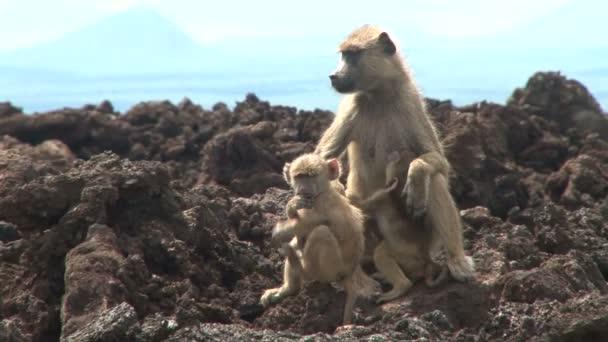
(292, 208)
(298, 202)
(280, 234)
(416, 195)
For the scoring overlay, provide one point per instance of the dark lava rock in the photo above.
(154, 224)
(581, 179)
(238, 160)
(91, 279)
(567, 102)
(7, 109)
(8, 232)
(108, 325)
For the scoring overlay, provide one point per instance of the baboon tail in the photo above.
(365, 285)
(462, 269)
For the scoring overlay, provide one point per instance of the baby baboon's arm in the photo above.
(337, 137)
(372, 201)
(285, 230)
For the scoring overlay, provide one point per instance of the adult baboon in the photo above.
(383, 111)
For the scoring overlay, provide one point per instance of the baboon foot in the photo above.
(463, 269)
(272, 296)
(396, 292)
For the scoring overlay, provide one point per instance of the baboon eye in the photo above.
(351, 55)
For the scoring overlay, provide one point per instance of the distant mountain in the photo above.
(135, 41)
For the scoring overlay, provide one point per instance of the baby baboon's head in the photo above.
(309, 174)
(368, 58)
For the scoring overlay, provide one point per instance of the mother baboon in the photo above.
(383, 111)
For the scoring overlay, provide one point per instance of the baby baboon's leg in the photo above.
(377, 197)
(292, 280)
(322, 256)
(393, 273)
(323, 261)
(445, 220)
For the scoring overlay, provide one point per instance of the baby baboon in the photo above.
(326, 234)
(406, 245)
(383, 111)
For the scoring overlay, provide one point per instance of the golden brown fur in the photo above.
(328, 230)
(406, 245)
(363, 38)
(383, 111)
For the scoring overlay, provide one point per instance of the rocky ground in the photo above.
(153, 225)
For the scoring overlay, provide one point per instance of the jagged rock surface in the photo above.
(153, 225)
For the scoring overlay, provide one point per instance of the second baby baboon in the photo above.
(326, 234)
(383, 111)
(405, 250)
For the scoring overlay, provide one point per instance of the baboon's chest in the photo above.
(378, 140)
(375, 136)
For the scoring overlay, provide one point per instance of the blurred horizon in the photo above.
(128, 51)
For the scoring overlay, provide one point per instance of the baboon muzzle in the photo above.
(341, 84)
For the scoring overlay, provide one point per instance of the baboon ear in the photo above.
(286, 173)
(393, 157)
(387, 44)
(334, 169)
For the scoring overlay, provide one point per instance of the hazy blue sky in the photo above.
(464, 50)
(29, 22)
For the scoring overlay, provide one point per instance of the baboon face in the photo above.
(362, 67)
(307, 186)
(310, 175)
(345, 77)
